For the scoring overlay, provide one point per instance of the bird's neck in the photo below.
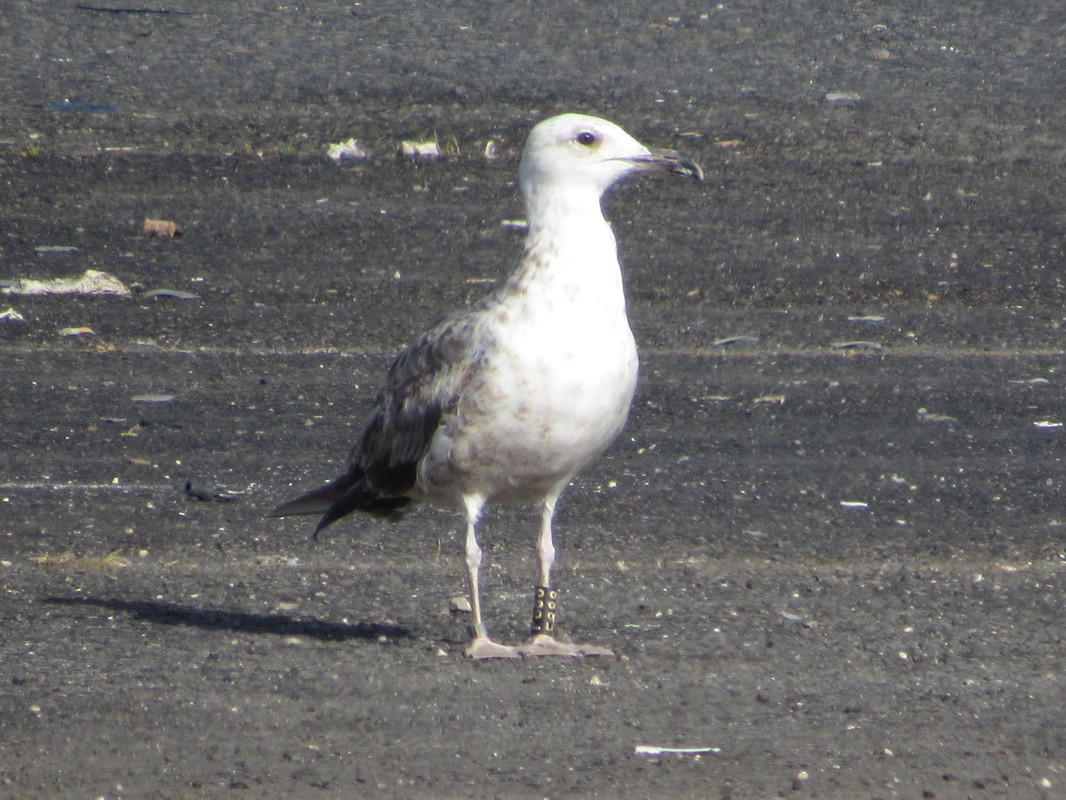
(570, 253)
(569, 226)
(562, 207)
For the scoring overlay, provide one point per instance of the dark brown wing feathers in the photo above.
(423, 384)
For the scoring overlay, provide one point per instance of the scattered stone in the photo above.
(203, 494)
(731, 340)
(177, 294)
(428, 149)
(92, 282)
(347, 150)
(856, 346)
(843, 98)
(161, 227)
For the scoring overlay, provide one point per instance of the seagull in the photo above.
(507, 400)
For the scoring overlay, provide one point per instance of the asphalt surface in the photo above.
(829, 545)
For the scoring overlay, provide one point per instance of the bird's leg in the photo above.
(481, 646)
(545, 598)
(542, 641)
(545, 545)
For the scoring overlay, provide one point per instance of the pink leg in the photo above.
(481, 646)
(543, 642)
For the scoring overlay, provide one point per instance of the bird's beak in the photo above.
(670, 161)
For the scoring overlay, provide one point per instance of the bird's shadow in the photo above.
(161, 613)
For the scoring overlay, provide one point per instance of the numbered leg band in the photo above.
(545, 601)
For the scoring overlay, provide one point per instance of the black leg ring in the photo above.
(545, 602)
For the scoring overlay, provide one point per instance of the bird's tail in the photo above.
(340, 497)
(317, 501)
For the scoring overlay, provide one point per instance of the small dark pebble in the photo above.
(177, 294)
(856, 346)
(735, 340)
(208, 495)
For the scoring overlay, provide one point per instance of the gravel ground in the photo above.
(828, 548)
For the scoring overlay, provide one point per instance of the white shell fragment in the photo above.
(842, 98)
(654, 750)
(93, 282)
(420, 149)
(459, 605)
(769, 399)
(925, 415)
(349, 149)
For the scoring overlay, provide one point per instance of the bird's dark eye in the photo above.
(587, 138)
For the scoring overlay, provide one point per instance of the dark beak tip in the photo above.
(686, 168)
(676, 164)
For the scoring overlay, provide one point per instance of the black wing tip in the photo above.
(315, 502)
(322, 499)
(389, 508)
(332, 506)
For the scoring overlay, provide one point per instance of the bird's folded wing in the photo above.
(423, 384)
